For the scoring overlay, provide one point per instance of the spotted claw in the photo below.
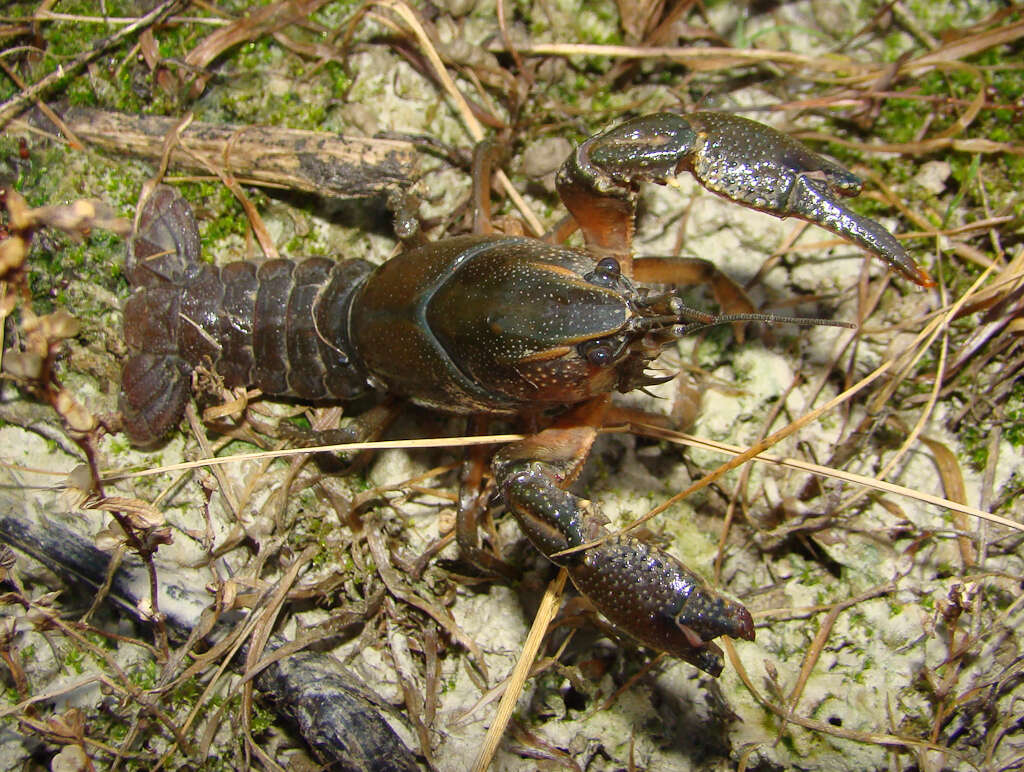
(735, 157)
(641, 590)
(660, 602)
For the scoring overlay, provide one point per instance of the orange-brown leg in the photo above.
(485, 154)
(474, 494)
(692, 271)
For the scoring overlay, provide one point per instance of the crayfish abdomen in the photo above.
(280, 326)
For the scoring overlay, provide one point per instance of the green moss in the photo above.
(110, 80)
(58, 265)
(312, 528)
(144, 675)
(340, 81)
(789, 743)
(975, 441)
(1014, 429)
(28, 653)
(74, 660)
(66, 39)
(271, 86)
(900, 120)
(261, 719)
(218, 212)
(187, 695)
(895, 45)
(334, 14)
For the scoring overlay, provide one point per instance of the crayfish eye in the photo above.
(598, 354)
(606, 273)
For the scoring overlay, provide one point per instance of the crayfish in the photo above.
(496, 325)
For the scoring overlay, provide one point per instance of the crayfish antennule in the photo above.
(685, 314)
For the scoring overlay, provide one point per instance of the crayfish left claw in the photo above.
(811, 200)
(642, 591)
(652, 596)
(767, 170)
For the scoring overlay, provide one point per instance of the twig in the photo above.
(319, 162)
(546, 612)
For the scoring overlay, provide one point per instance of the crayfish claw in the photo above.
(764, 169)
(737, 158)
(653, 597)
(641, 590)
(812, 200)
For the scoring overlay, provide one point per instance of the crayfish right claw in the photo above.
(737, 158)
(811, 200)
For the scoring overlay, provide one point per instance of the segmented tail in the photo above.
(162, 255)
